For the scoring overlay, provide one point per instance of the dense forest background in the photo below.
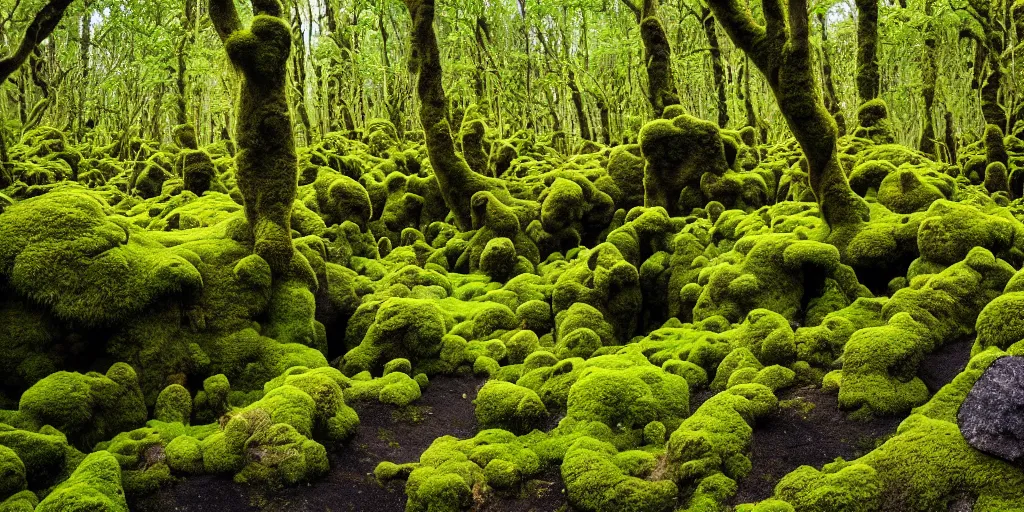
(119, 69)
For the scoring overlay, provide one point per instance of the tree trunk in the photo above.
(267, 165)
(717, 66)
(867, 50)
(299, 73)
(84, 56)
(458, 183)
(927, 142)
(577, 101)
(661, 86)
(42, 25)
(784, 58)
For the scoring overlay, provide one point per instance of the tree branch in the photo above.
(42, 26)
(738, 22)
(225, 18)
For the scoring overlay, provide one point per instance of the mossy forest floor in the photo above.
(386, 432)
(568, 341)
(807, 429)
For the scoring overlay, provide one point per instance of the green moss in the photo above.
(695, 375)
(777, 272)
(716, 437)
(997, 178)
(87, 408)
(593, 482)
(407, 328)
(870, 175)
(185, 455)
(904, 192)
(506, 405)
(858, 489)
(400, 365)
(291, 316)
(502, 474)
(775, 377)
(995, 148)
(212, 401)
(924, 466)
(950, 230)
(95, 485)
(737, 360)
(44, 454)
(394, 388)
(12, 472)
(24, 501)
(654, 433)
(174, 405)
(444, 493)
(873, 120)
(400, 393)
(626, 168)
(312, 401)
(628, 397)
(387, 471)
(679, 152)
(880, 363)
(66, 250)
(999, 324)
(711, 492)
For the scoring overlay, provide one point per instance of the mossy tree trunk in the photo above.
(868, 81)
(927, 142)
(188, 24)
(781, 50)
(744, 96)
(84, 56)
(577, 102)
(831, 103)
(988, 54)
(717, 65)
(42, 25)
(339, 113)
(267, 166)
(606, 125)
(456, 180)
(951, 145)
(299, 73)
(661, 86)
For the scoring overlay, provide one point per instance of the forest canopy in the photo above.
(120, 66)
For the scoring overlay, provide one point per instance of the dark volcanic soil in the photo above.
(385, 433)
(942, 366)
(811, 430)
(799, 434)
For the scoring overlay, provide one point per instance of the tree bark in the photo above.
(781, 51)
(458, 183)
(267, 165)
(927, 142)
(45, 21)
(661, 86)
(717, 66)
(867, 50)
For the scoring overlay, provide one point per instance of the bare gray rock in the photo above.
(991, 419)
